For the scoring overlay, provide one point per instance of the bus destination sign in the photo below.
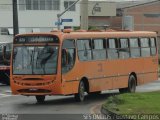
(36, 39)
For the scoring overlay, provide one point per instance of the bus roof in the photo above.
(85, 34)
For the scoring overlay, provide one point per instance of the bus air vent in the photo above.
(32, 79)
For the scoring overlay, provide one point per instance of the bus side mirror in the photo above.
(64, 57)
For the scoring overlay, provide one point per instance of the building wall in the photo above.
(113, 22)
(146, 17)
(101, 13)
(101, 8)
(44, 20)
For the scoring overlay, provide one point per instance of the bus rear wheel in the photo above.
(79, 97)
(40, 98)
(132, 84)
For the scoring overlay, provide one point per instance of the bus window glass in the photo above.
(68, 44)
(124, 50)
(124, 43)
(68, 55)
(145, 49)
(112, 49)
(133, 42)
(153, 46)
(83, 44)
(134, 47)
(111, 43)
(99, 51)
(98, 44)
(84, 49)
(144, 42)
(32, 60)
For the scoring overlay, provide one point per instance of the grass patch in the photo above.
(137, 103)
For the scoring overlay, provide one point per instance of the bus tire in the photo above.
(131, 84)
(79, 97)
(40, 98)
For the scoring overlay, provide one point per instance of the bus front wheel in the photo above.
(40, 98)
(79, 97)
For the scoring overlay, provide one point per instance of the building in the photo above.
(146, 16)
(101, 12)
(38, 15)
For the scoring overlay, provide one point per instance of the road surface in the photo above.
(58, 104)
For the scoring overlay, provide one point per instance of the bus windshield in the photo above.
(35, 60)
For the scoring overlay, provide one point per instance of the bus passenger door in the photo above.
(67, 63)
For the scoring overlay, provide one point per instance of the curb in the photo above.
(96, 109)
(112, 115)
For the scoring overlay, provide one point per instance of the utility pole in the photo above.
(59, 15)
(84, 14)
(15, 18)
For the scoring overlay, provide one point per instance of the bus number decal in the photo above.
(100, 69)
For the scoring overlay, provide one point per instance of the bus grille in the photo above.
(34, 91)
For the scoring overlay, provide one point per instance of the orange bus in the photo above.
(73, 63)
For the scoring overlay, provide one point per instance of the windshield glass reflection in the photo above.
(35, 60)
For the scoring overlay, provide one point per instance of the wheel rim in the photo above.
(81, 91)
(132, 85)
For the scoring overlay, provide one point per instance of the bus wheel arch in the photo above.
(132, 82)
(86, 83)
(82, 88)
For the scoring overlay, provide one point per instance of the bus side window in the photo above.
(84, 49)
(124, 48)
(112, 48)
(134, 47)
(68, 55)
(145, 47)
(99, 51)
(153, 46)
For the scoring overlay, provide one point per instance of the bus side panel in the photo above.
(67, 83)
(127, 67)
(122, 74)
(150, 73)
(135, 65)
(101, 72)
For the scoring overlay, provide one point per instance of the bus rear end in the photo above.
(35, 65)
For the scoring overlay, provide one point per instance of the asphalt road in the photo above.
(58, 104)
